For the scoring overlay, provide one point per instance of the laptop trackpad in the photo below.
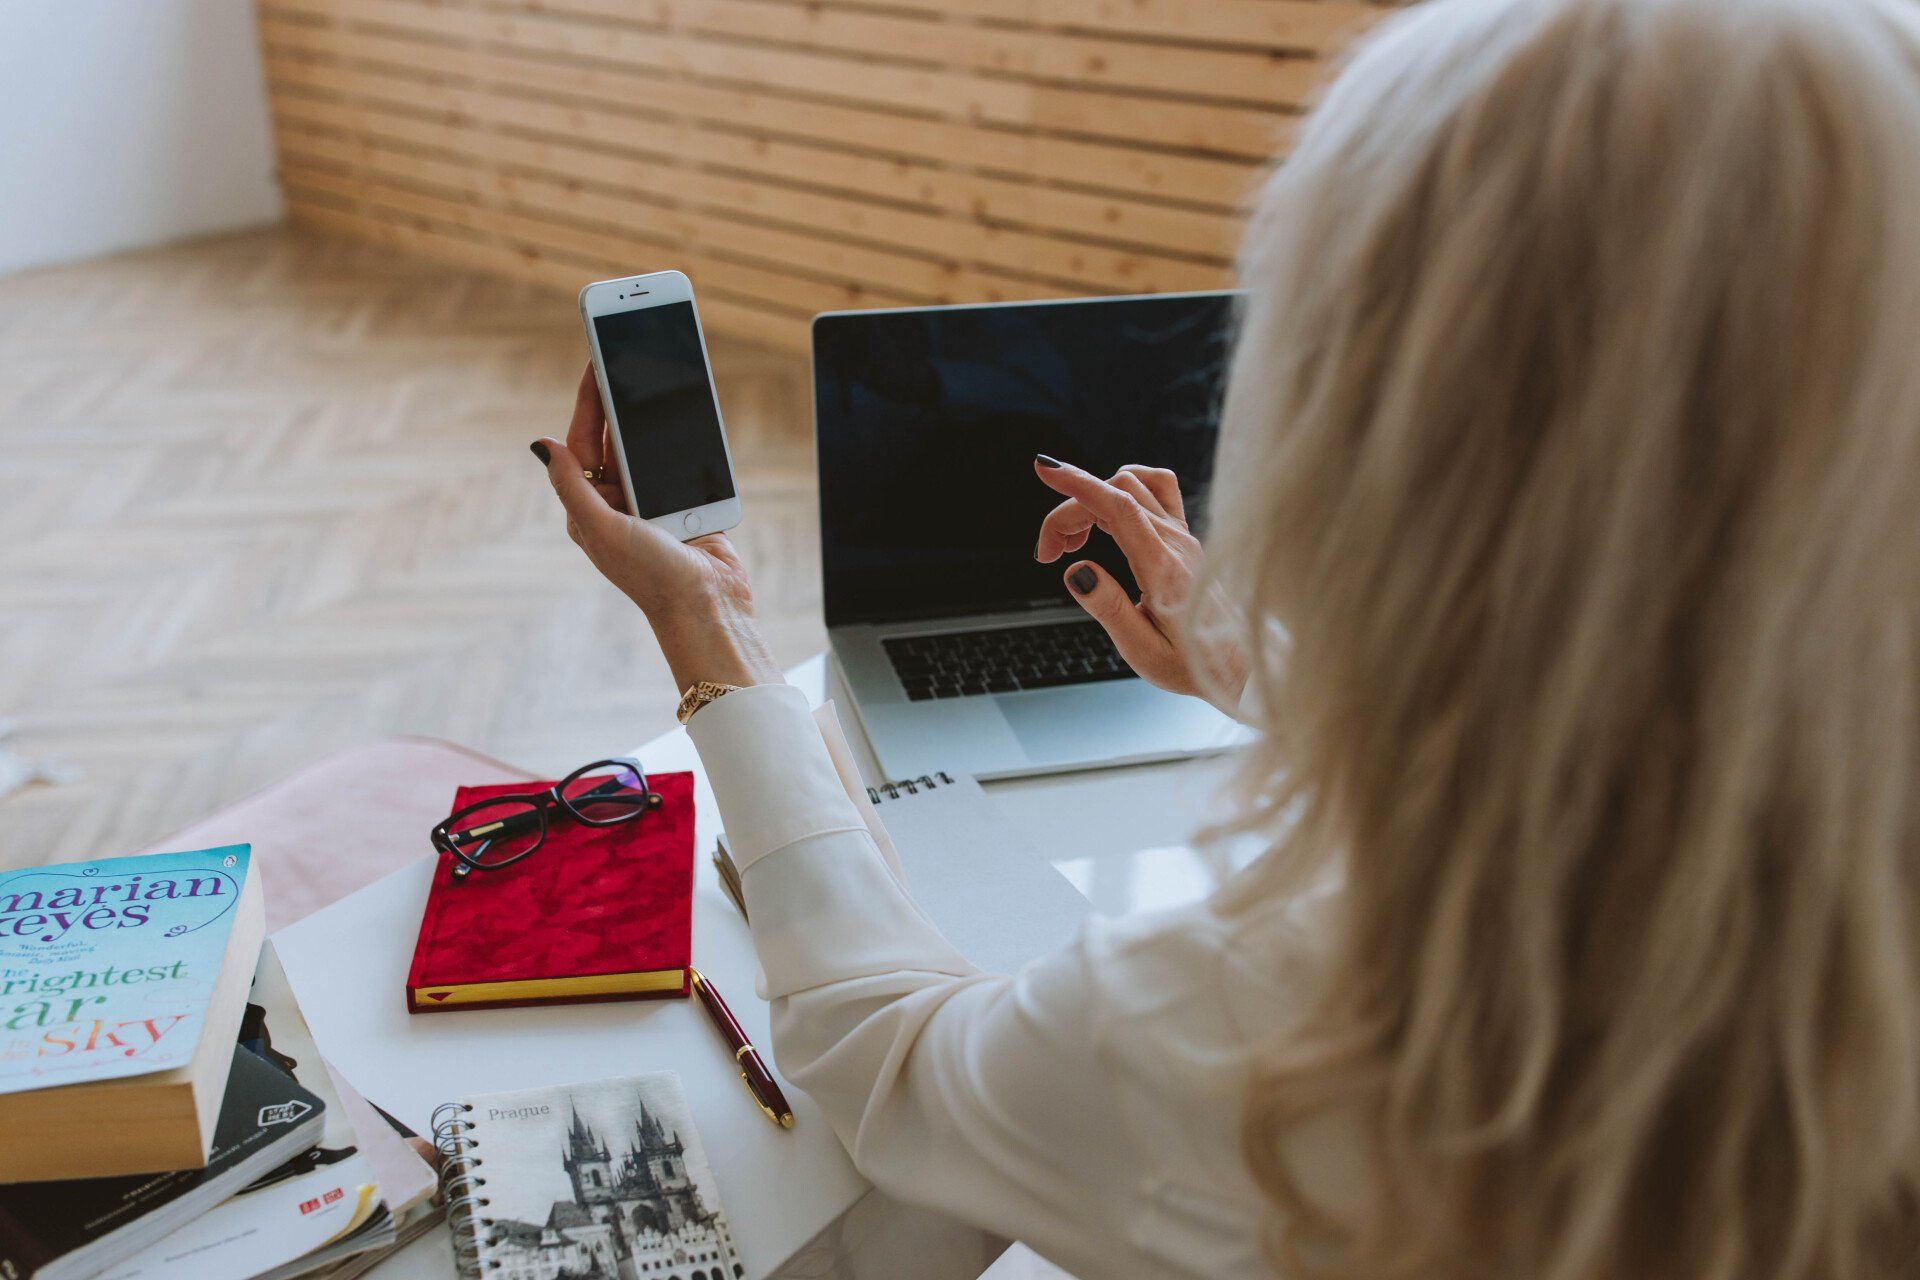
(1107, 721)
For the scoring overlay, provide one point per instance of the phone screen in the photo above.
(663, 398)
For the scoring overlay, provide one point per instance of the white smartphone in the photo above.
(650, 359)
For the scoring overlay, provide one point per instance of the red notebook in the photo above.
(597, 913)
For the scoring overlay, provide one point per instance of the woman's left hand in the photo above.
(1141, 509)
(695, 595)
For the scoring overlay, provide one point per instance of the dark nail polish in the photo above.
(1045, 461)
(1082, 580)
(541, 452)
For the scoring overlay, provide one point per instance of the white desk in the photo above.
(1119, 834)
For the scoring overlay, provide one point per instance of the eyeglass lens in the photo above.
(604, 792)
(494, 833)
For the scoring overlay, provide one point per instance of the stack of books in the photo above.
(167, 1115)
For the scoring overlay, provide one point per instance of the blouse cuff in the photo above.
(770, 771)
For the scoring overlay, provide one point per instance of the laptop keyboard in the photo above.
(962, 664)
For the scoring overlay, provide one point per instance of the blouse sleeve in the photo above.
(977, 1094)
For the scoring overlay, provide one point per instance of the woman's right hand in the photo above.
(1140, 508)
(694, 594)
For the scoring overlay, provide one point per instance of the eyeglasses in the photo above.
(499, 832)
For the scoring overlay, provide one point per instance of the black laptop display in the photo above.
(928, 420)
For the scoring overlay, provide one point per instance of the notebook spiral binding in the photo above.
(909, 786)
(460, 1184)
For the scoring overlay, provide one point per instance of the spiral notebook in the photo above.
(600, 1179)
(976, 875)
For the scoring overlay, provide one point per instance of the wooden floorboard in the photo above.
(266, 496)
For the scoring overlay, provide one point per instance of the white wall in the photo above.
(128, 122)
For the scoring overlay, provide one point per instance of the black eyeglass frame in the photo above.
(543, 804)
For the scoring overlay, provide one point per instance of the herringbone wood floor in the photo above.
(266, 496)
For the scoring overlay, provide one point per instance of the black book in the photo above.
(69, 1230)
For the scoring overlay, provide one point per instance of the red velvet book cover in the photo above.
(597, 913)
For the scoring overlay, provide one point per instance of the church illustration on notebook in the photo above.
(636, 1216)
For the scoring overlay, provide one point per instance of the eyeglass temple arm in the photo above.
(498, 826)
(521, 821)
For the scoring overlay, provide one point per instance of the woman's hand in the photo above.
(695, 594)
(1140, 508)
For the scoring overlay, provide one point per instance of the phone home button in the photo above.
(692, 522)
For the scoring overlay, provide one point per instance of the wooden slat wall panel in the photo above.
(638, 101)
(794, 156)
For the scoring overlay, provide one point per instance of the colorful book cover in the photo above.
(107, 967)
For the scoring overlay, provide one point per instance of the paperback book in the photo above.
(407, 1181)
(57, 1230)
(323, 1205)
(121, 982)
(107, 968)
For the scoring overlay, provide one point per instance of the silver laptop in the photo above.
(960, 652)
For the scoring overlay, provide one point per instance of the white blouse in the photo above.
(1089, 1105)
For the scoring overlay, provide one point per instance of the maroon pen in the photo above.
(758, 1079)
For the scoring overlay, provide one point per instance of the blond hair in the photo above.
(1573, 445)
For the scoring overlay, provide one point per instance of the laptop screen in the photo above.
(928, 420)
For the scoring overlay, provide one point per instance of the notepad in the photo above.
(600, 1179)
(596, 913)
(977, 876)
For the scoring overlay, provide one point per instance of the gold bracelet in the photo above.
(702, 692)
